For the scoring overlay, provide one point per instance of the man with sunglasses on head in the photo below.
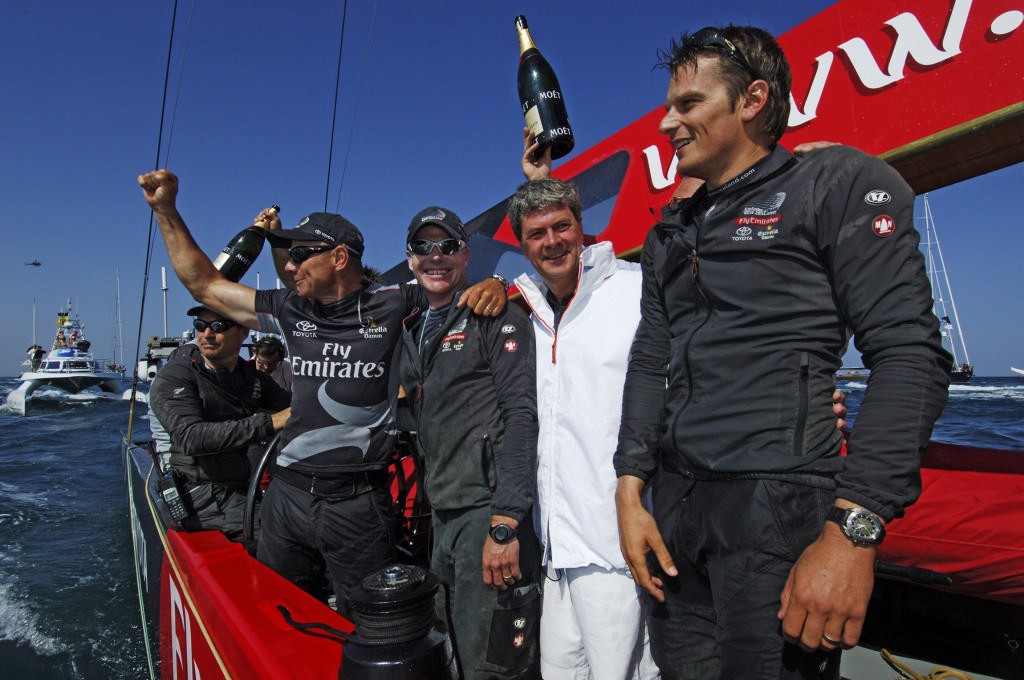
(471, 391)
(326, 517)
(760, 551)
(214, 405)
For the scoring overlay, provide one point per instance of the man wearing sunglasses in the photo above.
(214, 405)
(326, 515)
(470, 385)
(751, 289)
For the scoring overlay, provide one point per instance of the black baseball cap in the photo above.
(443, 218)
(198, 309)
(333, 229)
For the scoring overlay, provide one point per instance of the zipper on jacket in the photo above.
(487, 453)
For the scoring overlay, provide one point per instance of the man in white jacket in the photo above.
(586, 306)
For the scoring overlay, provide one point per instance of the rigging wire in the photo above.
(151, 666)
(334, 114)
(156, 166)
(355, 110)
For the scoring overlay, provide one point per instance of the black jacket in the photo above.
(473, 397)
(751, 292)
(212, 417)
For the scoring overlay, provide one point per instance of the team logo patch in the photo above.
(762, 216)
(519, 623)
(518, 640)
(508, 328)
(511, 345)
(883, 226)
(877, 197)
(306, 326)
(767, 207)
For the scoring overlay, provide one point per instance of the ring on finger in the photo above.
(826, 638)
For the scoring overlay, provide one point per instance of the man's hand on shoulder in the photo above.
(486, 298)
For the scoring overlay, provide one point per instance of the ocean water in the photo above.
(68, 607)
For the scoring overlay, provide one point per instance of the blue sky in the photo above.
(428, 115)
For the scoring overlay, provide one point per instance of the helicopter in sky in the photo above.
(34, 263)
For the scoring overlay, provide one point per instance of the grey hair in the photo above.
(541, 194)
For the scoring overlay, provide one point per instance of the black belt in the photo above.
(339, 486)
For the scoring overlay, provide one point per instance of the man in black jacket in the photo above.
(751, 290)
(215, 405)
(470, 384)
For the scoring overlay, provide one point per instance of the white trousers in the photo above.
(592, 627)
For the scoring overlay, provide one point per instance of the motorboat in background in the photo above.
(69, 365)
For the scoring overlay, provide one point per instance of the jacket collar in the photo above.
(597, 262)
(778, 159)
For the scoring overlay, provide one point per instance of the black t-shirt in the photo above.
(340, 355)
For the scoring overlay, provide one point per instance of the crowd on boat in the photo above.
(640, 474)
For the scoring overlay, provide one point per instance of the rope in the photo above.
(909, 674)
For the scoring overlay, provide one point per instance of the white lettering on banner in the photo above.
(181, 657)
(659, 179)
(911, 42)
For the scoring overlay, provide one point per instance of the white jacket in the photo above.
(580, 374)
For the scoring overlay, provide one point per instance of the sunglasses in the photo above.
(218, 326)
(449, 246)
(299, 254)
(712, 37)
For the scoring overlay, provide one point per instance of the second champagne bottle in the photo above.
(541, 96)
(239, 254)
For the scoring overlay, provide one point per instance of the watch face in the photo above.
(502, 533)
(863, 527)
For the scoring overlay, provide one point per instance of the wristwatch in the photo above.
(502, 280)
(861, 526)
(502, 533)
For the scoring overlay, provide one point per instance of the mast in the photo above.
(163, 288)
(942, 293)
(118, 339)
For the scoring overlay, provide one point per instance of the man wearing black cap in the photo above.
(214, 406)
(327, 506)
(472, 393)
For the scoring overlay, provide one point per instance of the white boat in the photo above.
(1018, 371)
(944, 305)
(69, 365)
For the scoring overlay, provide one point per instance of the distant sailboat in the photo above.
(944, 305)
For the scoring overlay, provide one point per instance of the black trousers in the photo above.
(733, 542)
(323, 544)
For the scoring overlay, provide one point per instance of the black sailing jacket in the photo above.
(751, 292)
(473, 397)
(211, 427)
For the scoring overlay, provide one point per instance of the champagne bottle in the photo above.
(541, 96)
(239, 254)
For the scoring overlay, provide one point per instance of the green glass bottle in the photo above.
(239, 254)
